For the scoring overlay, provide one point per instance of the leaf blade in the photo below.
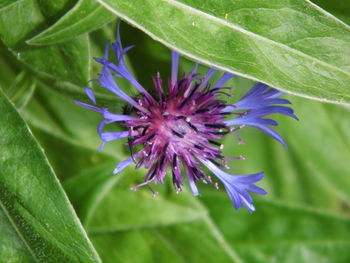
(317, 235)
(65, 62)
(229, 46)
(33, 201)
(84, 17)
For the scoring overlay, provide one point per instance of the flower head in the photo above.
(180, 126)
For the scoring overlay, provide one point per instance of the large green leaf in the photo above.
(64, 63)
(37, 221)
(282, 233)
(86, 16)
(291, 45)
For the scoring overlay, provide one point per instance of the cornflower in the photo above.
(181, 126)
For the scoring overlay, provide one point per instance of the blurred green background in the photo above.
(304, 218)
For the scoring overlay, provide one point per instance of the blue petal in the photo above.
(193, 186)
(111, 136)
(237, 187)
(259, 102)
(174, 67)
(107, 82)
(226, 77)
(258, 96)
(264, 111)
(90, 93)
(269, 132)
(88, 106)
(116, 117)
(122, 165)
(207, 77)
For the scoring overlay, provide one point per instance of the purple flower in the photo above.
(180, 126)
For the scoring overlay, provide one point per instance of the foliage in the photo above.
(58, 199)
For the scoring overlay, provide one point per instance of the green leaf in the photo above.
(86, 16)
(87, 198)
(67, 62)
(277, 232)
(293, 46)
(127, 226)
(69, 157)
(194, 242)
(339, 8)
(10, 68)
(5, 3)
(37, 222)
(21, 90)
(321, 142)
(60, 117)
(163, 210)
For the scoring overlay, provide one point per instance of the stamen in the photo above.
(145, 130)
(214, 162)
(155, 193)
(151, 137)
(134, 188)
(192, 126)
(214, 142)
(233, 130)
(188, 98)
(215, 125)
(174, 159)
(177, 134)
(221, 132)
(198, 147)
(161, 161)
(239, 138)
(225, 93)
(235, 158)
(201, 111)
